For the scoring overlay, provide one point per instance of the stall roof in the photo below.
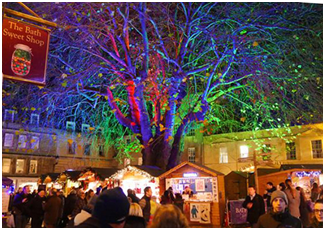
(74, 175)
(240, 173)
(53, 176)
(301, 166)
(152, 170)
(197, 166)
(105, 172)
(6, 181)
(265, 171)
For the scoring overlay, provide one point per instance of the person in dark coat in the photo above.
(135, 218)
(171, 194)
(52, 209)
(304, 208)
(145, 203)
(36, 209)
(20, 207)
(267, 194)
(80, 203)
(70, 203)
(279, 217)
(255, 206)
(165, 198)
(110, 211)
(179, 201)
(61, 221)
(132, 196)
(317, 221)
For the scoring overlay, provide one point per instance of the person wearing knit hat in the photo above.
(279, 217)
(110, 210)
(279, 194)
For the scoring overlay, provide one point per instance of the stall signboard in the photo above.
(5, 200)
(24, 51)
(238, 214)
(200, 212)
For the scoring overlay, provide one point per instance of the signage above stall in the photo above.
(189, 175)
(24, 51)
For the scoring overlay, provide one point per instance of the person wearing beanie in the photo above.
(255, 206)
(110, 211)
(279, 217)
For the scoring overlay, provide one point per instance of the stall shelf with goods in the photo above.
(205, 208)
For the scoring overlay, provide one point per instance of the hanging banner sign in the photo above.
(24, 51)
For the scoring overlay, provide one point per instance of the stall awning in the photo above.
(301, 166)
(265, 171)
(104, 173)
(6, 181)
(152, 170)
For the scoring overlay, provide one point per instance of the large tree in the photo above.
(157, 68)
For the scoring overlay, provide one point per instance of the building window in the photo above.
(22, 141)
(87, 149)
(70, 126)
(191, 155)
(243, 151)
(85, 128)
(317, 148)
(71, 147)
(291, 151)
(223, 155)
(34, 119)
(9, 140)
(140, 161)
(34, 142)
(101, 151)
(9, 115)
(191, 131)
(20, 165)
(33, 167)
(6, 165)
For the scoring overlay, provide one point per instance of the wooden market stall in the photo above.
(92, 178)
(300, 177)
(207, 205)
(137, 178)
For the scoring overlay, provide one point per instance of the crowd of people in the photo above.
(287, 206)
(105, 208)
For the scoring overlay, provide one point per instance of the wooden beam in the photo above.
(28, 9)
(29, 17)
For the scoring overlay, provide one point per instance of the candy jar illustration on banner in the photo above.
(21, 60)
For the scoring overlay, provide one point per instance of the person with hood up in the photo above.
(110, 211)
(279, 216)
